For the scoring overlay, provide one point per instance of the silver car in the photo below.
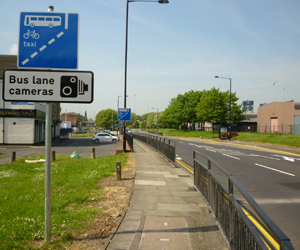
(105, 137)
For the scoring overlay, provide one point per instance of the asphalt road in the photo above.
(270, 176)
(81, 145)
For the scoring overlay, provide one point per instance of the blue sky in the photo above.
(177, 47)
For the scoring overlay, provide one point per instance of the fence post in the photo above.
(13, 156)
(93, 153)
(230, 186)
(53, 156)
(209, 164)
(118, 166)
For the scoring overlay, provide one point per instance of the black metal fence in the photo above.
(165, 146)
(282, 129)
(235, 220)
(129, 139)
(64, 133)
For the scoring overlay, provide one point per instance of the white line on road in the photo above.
(274, 169)
(232, 157)
(211, 150)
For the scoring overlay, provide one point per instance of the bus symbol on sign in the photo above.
(50, 21)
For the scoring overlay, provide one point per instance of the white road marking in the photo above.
(232, 157)
(287, 158)
(274, 169)
(210, 150)
(278, 201)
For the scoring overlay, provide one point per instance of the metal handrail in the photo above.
(280, 237)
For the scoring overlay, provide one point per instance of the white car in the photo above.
(105, 137)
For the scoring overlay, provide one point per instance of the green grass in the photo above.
(182, 133)
(82, 135)
(73, 188)
(272, 138)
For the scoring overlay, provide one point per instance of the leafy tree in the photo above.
(191, 98)
(105, 118)
(214, 106)
(169, 117)
(150, 120)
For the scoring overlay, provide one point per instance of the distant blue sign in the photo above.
(124, 114)
(48, 40)
(22, 103)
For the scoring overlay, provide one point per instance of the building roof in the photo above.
(7, 62)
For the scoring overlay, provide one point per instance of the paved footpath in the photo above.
(165, 211)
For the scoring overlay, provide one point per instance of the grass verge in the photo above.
(183, 133)
(292, 140)
(272, 138)
(73, 187)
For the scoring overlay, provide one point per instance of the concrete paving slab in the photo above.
(165, 211)
(177, 207)
(150, 183)
(165, 233)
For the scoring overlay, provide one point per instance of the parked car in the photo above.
(105, 137)
(115, 136)
(80, 132)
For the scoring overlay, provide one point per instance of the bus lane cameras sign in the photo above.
(48, 40)
(48, 86)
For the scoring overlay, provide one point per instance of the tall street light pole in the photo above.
(156, 119)
(229, 104)
(126, 48)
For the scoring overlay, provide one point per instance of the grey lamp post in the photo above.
(156, 119)
(229, 104)
(126, 45)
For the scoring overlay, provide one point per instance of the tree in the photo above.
(182, 110)
(214, 106)
(106, 118)
(151, 121)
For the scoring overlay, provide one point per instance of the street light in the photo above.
(229, 104)
(126, 45)
(156, 119)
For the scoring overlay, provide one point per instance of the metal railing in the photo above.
(237, 222)
(129, 139)
(64, 133)
(165, 146)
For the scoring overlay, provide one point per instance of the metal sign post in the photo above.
(48, 173)
(48, 168)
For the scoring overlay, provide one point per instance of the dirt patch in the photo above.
(115, 197)
(116, 194)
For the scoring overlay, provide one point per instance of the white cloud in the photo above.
(14, 49)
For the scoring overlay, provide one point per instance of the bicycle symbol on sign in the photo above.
(31, 34)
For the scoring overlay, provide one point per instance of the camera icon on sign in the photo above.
(71, 86)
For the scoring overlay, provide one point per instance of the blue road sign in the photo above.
(48, 40)
(124, 114)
